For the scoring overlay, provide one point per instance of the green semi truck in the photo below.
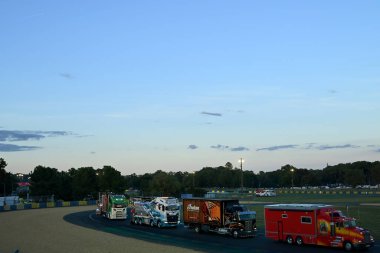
(112, 206)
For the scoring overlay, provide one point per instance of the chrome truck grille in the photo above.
(172, 218)
(119, 214)
(248, 225)
(367, 237)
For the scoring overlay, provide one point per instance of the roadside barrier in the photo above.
(331, 192)
(46, 205)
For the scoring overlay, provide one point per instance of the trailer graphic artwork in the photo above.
(210, 211)
(159, 211)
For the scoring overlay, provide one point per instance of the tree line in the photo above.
(86, 182)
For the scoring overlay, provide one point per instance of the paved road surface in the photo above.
(184, 238)
(45, 230)
(78, 229)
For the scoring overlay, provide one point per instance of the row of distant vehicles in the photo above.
(315, 224)
(265, 193)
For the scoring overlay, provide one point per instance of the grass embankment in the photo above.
(368, 216)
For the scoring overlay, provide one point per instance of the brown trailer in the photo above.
(222, 216)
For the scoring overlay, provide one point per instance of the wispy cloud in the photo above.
(14, 148)
(66, 75)
(192, 146)
(239, 149)
(6, 135)
(326, 147)
(16, 135)
(274, 148)
(220, 147)
(313, 146)
(233, 149)
(216, 114)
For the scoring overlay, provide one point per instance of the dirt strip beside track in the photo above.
(44, 230)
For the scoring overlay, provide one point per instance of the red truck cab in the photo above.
(314, 224)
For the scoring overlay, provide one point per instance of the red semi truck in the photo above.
(314, 224)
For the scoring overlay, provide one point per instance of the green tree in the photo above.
(375, 173)
(132, 181)
(3, 164)
(44, 181)
(65, 186)
(229, 166)
(7, 179)
(110, 180)
(354, 177)
(164, 184)
(84, 183)
(3, 174)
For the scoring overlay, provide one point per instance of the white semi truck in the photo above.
(160, 212)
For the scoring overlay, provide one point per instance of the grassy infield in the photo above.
(368, 216)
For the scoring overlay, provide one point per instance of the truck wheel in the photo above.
(289, 240)
(140, 221)
(159, 224)
(235, 234)
(198, 229)
(299, 241)
(348, 246)
(151, 223)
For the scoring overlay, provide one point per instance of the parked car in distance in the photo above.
(265, 193)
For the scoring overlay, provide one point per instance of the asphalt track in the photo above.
(45, 230)
(189, 239)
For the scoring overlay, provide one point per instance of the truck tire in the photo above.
(159, 224)
(198, 229)
(347, 246)
(140, 221)
(289, 239)
(235, 234)
(151, 223)
(299, 241)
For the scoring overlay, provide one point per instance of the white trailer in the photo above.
(160, 212)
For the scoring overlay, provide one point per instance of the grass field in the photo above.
(366, 209)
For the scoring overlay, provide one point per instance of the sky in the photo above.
(176, 85)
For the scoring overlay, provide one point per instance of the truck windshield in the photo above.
(247, 216)
(119, 205)
(172, 208)
(349, 224)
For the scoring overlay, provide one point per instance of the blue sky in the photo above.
(180, 85)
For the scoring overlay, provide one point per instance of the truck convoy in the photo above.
(221, 216)
(160, 212)
(314, 224)
(112, 206)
